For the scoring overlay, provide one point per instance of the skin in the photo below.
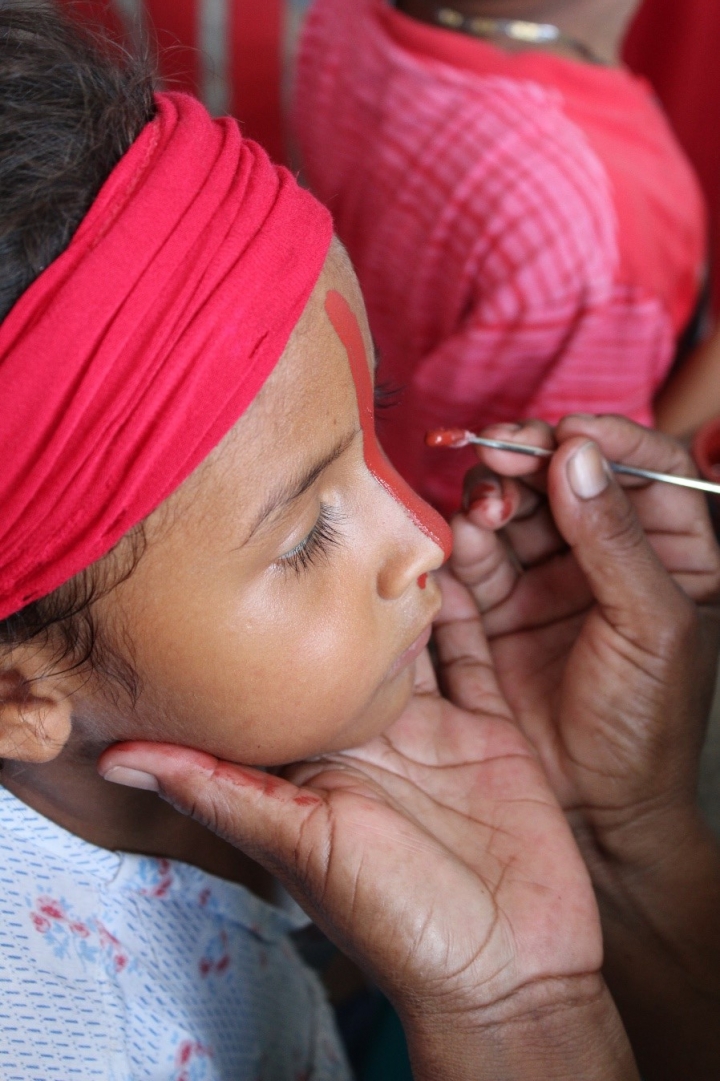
(225, 628)
(516, 995)
(486, 934)
(601, 25)
(692, 395)
(245, 658)
(624, 770)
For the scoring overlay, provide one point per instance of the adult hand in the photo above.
(609, 666)
(608, 663)
(439, 859)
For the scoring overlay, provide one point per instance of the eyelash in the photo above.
(387, 396)
(323, 536)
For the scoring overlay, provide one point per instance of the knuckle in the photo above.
(203, 812)
(646, 447)
(621, 530)
(677, 626)
(480, 568)
(542, 429)
(711, 579)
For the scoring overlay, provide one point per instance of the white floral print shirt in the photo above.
(119, 967)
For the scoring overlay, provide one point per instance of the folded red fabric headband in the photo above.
(137, 350)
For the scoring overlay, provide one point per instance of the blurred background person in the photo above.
(528, 233)
(676, 47)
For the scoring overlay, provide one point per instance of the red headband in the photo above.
(137, 350)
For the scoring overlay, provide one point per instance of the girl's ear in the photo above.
(35, 706)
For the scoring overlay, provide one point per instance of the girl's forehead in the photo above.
(306, 411)
(311, 389)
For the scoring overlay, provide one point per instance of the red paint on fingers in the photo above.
(307, 801)
(266, 783)
(496, 506)
(240, 777)
(425, 518)
(484, 490)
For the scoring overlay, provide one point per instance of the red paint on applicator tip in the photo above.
(448, 437)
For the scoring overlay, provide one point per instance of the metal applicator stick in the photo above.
(454, 438)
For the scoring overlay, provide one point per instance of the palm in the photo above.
(461, 799)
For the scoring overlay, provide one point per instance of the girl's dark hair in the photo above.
(71, 104)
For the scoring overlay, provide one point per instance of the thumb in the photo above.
(264, 815)
(598, 521)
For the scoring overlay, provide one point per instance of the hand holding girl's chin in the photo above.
(436, 854)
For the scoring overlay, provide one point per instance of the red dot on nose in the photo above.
(422, 581)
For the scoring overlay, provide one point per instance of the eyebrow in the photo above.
(292, 489)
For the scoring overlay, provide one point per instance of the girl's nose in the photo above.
(408, 553)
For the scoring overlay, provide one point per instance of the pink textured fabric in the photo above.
(137, 350)
(527, 232)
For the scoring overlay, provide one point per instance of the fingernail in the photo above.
(482, 491)
(493, 510)
(509, 428)
(584, 416)
(132, 778)
(587, 472)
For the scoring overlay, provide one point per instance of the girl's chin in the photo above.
(391, 701)
(395, 700)
(386, 706)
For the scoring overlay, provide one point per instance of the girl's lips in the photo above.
(411, 653)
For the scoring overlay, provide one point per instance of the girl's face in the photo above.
(280, 603)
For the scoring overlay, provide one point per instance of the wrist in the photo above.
(551, 1030)
(661, 928)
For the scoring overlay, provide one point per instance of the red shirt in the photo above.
(528, 234)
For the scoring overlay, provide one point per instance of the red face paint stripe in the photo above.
(425, 518)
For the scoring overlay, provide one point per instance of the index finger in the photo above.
(467, 673)
(533, 433)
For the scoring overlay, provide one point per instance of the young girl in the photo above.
(202, 544)
(198, 288)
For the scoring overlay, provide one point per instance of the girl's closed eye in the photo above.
(386, 396)
(323, 536)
